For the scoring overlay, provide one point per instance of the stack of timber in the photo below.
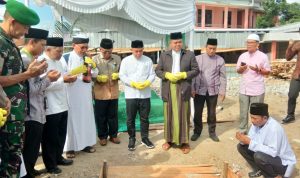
(282, 69)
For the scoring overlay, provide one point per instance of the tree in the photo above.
(290, 13)
(271, 11)
(278, 9)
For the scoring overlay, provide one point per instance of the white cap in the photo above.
(253, 37)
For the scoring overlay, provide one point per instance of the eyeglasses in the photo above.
(107, 51)
(83, 47)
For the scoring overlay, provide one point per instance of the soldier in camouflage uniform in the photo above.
(17, 20)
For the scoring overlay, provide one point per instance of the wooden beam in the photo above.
(225, 169)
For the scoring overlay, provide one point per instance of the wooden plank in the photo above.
(104, 170)
(162, 175)
(225, 169)
(165, 169)
(231, 174)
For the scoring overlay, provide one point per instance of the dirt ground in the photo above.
(204, 150)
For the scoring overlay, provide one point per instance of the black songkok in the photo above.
(259, 109)
(106, 43)
(137, 44)
(176, 36)
(55, 41)
(36, 33)
(2, 2)
(80, 40)
(212, 41)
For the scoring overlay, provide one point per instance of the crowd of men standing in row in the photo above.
(48, 94)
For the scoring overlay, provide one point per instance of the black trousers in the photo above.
(54, 137)
(293, 95)
(211, 103)
(32, 142)
(141, 106)
(106, 113)
(270, 166)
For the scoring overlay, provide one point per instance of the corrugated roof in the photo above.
(280, 36)
(293, 27)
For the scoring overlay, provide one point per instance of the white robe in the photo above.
(81, 130)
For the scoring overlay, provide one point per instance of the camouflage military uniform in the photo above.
(11, 133)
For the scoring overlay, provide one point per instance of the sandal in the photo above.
(70, 154)
(89, 149)
(166, 146)
(185, 148)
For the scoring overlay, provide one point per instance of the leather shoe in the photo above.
(115, 140)
(185, 148)
(195, 137)
(131, 144)
(214, 138)
(103, 142)
(65, 162)
(257, 173)
(38, 172)
(55, 171)
(288, 119)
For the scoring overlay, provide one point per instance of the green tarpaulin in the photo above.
(156, 112)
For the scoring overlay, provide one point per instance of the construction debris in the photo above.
(282, 69)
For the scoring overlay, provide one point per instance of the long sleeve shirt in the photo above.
(272, 140)
(37, 87)
(56, 92)
(212, 76)
(136, 70)
(110, 89)
(252, 83)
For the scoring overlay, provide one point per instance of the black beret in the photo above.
(80, 40)
(176, 36)
(55, 41)
(106, 43)
(259, 109)
(2, 2)
(212, 41)
(37, 33)
(137, 44)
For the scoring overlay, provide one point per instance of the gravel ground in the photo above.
(204, 150)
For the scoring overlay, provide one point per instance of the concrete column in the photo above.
(273, 50)
(203, 16)
(254, 20)
(234, 18)
(250, 18)
(246, 21)
(225, 17)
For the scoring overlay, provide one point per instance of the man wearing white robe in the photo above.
(81, 132)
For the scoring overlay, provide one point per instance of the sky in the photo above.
(44, 12)
(47, 18)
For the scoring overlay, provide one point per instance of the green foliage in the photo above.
(288, 13)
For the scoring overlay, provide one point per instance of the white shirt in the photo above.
(56, 93)
(136, 70)
(176, 61)
(271, 140)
